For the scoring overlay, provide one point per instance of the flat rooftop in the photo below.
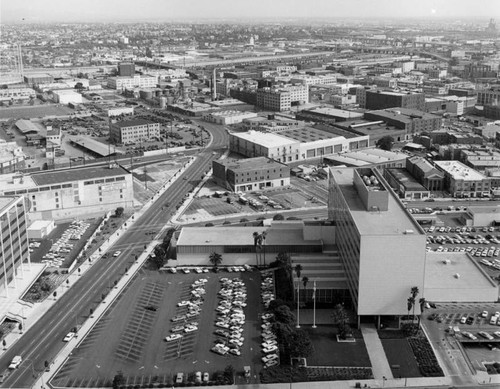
(439, 275)
(308, 134)
(334, 112)
(394, 221)
(242, 236)
(77, 174)
(265, 139)
(96, 146)
(133, 123)
(459, 171)
(407, 180)
(5, 201)
(367, 157)
(250, 163)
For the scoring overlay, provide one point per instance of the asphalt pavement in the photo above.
(42, 342)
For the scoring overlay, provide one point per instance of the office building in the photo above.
(14, 250)
(282, 98)
(250, 174)
(490, 96)
(382, 99)
(381, 246)
(70, 193)
(131, 131)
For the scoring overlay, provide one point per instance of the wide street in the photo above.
(43, 340)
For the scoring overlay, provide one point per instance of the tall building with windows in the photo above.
(381, 246)
(14, 249)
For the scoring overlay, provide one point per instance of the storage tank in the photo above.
(163, 102)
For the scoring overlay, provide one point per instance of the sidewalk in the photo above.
(378, 359)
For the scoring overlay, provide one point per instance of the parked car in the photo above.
(173, 337)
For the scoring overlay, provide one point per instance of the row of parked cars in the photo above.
(482, 334)
(193, 306)
(269, 340)
(230, 317)
(63, 246)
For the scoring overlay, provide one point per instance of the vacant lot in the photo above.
(130, 338)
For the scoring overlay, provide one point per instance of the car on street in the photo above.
(173, 337)
(497, 334)
(16, 361)
(116, 253)
(69, 336)
(469, 335)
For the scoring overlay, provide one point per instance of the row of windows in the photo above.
(38, 189)
(106, 180)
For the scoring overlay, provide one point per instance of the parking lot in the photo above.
(482, 243)
(132, 336)
(461, 346)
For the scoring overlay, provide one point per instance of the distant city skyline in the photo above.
(44, 11)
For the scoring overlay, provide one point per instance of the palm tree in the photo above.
(305, 280)
(263, 242)
(422, 302)
(414, 294)
(215, 259)
(410, 304)
(257, 243)
(298, 270)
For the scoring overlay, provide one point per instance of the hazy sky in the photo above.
(12, 11)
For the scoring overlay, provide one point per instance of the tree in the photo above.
(278, 216)
(4, 344)
(341, 320)
(21, 328)
(257, 243)
(229, 374)
(284, 315)
(47, 365)
(305, 280)
(385, 143)
(118, 380)
(414, 294)
(215, 259)
(54, 294)
(298, 270)
(422, 302)
(119, 212)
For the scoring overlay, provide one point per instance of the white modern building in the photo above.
(66, 96)
(14, 250)
(69, 193)
(463, 181)
(137, 81)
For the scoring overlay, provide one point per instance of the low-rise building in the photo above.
(228, 117)
(328, 115)
(137, 81)
(410, 120)
(130, 131)
(250, 174)
(71, 193)
(425, 173)
(117, 111)
(66, 96)
(463, 181)
(12, 157)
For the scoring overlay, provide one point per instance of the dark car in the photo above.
(470, 320)
(432, 316)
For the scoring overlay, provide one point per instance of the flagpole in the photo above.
(298, 308)
(314, 306)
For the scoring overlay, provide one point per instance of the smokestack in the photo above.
(214, 86)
